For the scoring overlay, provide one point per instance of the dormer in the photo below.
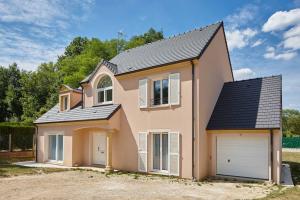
(69, 98)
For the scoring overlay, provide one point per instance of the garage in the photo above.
(243, 155)
(244, 130)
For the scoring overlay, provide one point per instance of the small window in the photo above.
(64, 103)
(160, 92)
(104, 90)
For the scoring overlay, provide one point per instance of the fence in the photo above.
(16, 140)
(291, 142)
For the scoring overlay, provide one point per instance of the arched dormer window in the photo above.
(104, 90)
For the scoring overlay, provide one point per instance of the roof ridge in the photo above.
(171, 37)
(279, 75)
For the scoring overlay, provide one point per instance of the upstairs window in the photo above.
(104, 90)
(161, 92)
(64, 103)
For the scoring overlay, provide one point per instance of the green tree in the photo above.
(13, 93)
(3, 86)
(291, 122)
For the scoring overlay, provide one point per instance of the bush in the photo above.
(21, 135)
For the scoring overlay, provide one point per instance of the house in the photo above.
(170, 107)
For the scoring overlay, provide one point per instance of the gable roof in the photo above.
(183, 47)
(78, 114)
(112, 67)
(248, 104)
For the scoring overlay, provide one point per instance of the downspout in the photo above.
(82, 104)
(271, 151)
(36, 142)
(193, 120)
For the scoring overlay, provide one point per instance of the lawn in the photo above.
(293, 159)
(8, 169)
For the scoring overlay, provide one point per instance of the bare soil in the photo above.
(95, 185)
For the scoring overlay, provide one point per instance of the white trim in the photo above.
(96, 90)
(178, 153)
(139, 91)
(143, 152)
(62, 102)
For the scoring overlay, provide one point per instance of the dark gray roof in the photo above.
(108, 64)
(185, 46)
(248, 104)
(78, 114)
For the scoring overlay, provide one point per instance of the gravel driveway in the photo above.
(94, 185)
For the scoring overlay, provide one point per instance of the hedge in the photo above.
(291, 142)
(21, 136)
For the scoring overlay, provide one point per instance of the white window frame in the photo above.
(63, 98)
(105, 94)
(160, 132)
(97, 90)
(161, 92)
(56, 150)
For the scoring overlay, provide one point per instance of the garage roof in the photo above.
(248, 104)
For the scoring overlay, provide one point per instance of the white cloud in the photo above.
(239, 38)
(257, 43)
(243, 73)
(292, 42)
(242, 16)
(36, 31)
(281, 20)
(285, 55)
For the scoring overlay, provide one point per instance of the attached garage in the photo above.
(244, 130)
(243, 156)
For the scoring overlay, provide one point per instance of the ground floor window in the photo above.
(55, 151)
(160, 152)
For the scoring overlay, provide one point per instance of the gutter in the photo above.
(193, 120)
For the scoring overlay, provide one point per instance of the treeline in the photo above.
(25, 95)
(291, 122)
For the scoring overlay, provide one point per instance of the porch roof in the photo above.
(104, 112)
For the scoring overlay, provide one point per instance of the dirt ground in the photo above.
(94, 185)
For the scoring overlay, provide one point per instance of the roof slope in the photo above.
(78, 114)
(248, 104)
(185, 46)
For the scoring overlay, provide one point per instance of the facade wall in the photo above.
(211, 73)
(134, 120)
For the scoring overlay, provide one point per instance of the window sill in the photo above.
(165, 173)
(160, 106)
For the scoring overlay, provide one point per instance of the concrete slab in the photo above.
(54, 165)
(286, 176)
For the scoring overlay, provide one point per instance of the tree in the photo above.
(3, 86)
(150, 36)
(13, 93)
(291, 122)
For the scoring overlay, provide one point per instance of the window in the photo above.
(104, 90)
(64, 103)
(55, 150)
(160, 152)
(161, 92)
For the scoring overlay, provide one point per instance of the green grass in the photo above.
(8, 169)
(293, 159)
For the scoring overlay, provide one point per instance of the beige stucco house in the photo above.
(170, 107)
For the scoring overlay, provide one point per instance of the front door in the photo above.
(99, 149)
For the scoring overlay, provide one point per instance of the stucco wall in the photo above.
(211, 72)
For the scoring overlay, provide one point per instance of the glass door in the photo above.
(55, 151)
(160, 151)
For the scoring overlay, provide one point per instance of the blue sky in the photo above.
(263, 36)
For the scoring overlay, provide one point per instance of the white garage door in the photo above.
(244, 156)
